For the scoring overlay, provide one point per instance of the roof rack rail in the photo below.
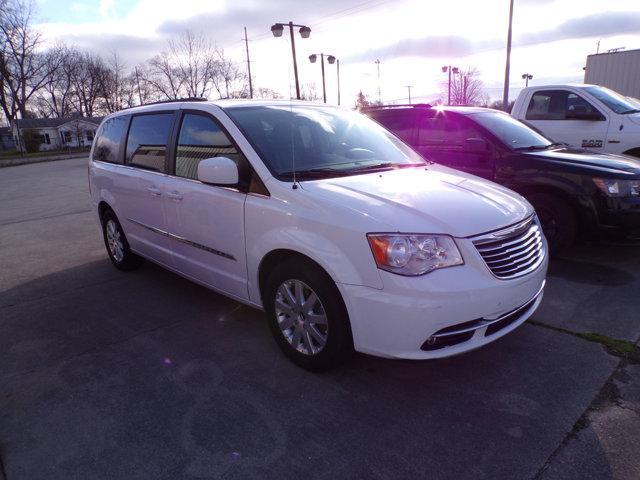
(173, 100)
(413, 105)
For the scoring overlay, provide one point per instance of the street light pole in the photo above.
(331, 59)
(409, 89)
(526, 77)
(295, 61)
(305, 31)
(505, 95)
(450, 69)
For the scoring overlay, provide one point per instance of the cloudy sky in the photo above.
(412, 39)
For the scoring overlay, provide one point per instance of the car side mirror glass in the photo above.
(218, 171)
(476, 145)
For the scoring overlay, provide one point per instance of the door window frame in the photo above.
(244, 178)
(123, 145)
(568, 92)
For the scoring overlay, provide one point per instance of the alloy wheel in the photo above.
(114, 241)
(301, 317)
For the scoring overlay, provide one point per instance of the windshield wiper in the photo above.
(540, 147)
(313, 173)
(633, 110)
(384, 166)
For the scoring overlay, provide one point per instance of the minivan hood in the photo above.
(431, 199)
(597, 162)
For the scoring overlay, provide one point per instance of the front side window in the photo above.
(558, 105)
(147, 141)
(201, 138)
(320, 142)
(447, 131)
(510, 131)
(109, 138)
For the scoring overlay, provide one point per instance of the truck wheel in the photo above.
(307, 316)
(558, 221)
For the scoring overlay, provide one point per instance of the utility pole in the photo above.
(505, 95)
(246, 44)
(409, 87)
(464, 90)
(338, 67)
(138, 82)
(379, 92)
(598, 47)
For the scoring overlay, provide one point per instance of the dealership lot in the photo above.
(146, 375)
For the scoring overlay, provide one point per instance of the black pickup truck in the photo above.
(575, 192)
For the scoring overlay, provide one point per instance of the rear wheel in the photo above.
(558, 221)
(307, 316)
(117, 246)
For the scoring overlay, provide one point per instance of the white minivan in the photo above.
(340, 232)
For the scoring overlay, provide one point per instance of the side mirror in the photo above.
(218, 171)
(476, 145)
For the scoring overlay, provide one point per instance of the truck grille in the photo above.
(513, 251)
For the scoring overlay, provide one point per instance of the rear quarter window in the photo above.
(109, 138)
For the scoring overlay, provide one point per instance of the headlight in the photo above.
(618, 188)
(413, 254)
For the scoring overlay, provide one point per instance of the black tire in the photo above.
(339, 341)
(127, 260)
(558, 221)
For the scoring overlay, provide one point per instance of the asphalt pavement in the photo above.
(145, 375)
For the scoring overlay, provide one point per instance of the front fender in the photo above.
(342, 252)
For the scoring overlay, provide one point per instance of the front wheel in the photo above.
(307, 316)
(558, 221)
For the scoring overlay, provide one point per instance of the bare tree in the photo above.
(309, 92)
(162, 77)
(57, 97)
(112, 83)
(266, 93)
(193, 57)
(229, 80)
(466, 88)
(23, 69)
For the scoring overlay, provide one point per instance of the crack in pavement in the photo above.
(608, 393)
(46, 217)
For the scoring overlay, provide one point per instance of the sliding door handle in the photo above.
(174, 195)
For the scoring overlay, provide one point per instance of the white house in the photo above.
(55, 133)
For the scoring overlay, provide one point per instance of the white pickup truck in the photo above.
(585, 116)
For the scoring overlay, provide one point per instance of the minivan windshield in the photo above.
(320, 142)
(513, 133)
(613, 100)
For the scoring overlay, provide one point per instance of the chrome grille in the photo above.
(513, 251)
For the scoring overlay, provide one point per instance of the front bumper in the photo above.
(399, 320)
(619, 217)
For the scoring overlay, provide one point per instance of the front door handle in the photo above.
(154, 191)
(174, 195)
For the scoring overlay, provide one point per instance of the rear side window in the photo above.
(401, 123)
(200, 138)
(108, 142)
(147, 141)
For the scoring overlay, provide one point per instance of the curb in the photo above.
(14, 162)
